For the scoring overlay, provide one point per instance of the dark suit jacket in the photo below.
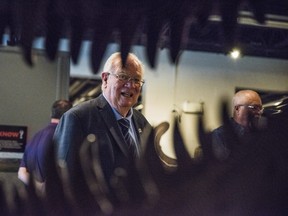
(96, 117)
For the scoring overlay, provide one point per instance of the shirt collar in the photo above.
(119, 116)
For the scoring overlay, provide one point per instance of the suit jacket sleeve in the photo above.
(68, 134)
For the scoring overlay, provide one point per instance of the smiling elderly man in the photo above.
(118, 128)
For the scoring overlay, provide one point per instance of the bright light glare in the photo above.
(235, 53)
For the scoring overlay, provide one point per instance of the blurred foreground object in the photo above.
(253, 184)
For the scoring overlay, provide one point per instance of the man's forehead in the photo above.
(132, 69)
(248, 98)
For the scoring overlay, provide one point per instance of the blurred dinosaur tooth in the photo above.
(53, 37)
(153, 33)
(78, 27)
(4, 207)
(34, 205)
(104, 26)
(155, 22)
(258, 7)
(155, 159)
(18, 203)
(131, 16)
(10, 20)
(204, 142)
(178, 22)
(224, 111)
(56, 15)
(94, 176)
(56, 201)
(31, 13)
(14, 22)
(177, 26)
(182, 155)
(175, 39)
(229, 14)
(98, 48)
(27, 53)
(128, 26)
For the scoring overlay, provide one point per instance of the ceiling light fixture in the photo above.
(235, 53)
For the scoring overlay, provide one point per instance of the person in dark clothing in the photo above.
(118, 145)
(247, 110)
(36, 154)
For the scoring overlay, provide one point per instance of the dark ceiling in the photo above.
(267, 40)
(252, 40)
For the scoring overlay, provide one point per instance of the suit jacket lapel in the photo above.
(109, 119)
(138, 128)
(141, 131)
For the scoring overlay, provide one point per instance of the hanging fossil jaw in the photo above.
(99, 20)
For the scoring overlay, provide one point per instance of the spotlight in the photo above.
(235, 53)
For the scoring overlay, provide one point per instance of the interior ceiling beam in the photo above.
(247, 18)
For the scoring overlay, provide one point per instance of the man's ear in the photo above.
(104, 76)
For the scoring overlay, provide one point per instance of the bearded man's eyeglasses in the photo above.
(256, 107)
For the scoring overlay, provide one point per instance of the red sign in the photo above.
(12, 138)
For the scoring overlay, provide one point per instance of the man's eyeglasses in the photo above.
(125, 78)
(257, 108)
